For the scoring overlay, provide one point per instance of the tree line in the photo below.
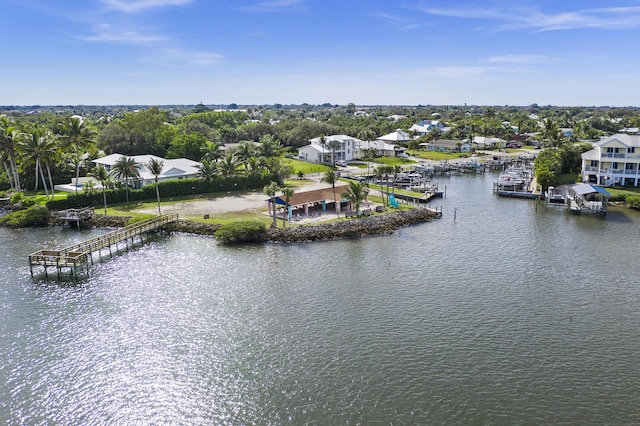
(46, 148)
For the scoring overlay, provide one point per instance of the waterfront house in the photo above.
(423, 127)
(315, 152)
(483, 142)
(385, 149)
(446, 145)
(394, 137)
(176, 168)
(387, 145)
(613, 161)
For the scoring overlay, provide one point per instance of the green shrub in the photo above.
(633, 201)
(16, 197)
(242, 232)
(33, 216)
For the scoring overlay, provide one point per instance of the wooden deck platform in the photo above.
(73, 258)
(77, 216)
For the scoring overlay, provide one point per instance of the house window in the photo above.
(631, 150)
(614, 166)
(594, 163)
(629, 166)
(609, 150)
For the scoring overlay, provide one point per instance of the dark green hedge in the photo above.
(168, 189)
(242, 232)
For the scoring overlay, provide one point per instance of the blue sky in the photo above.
(501, 52)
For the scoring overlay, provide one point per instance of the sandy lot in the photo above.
(250, 202)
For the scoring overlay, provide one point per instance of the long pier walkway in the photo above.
(79, 256)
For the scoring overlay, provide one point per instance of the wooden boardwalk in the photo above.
(79, 256)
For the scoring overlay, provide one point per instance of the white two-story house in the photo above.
(316, 152)
(613, 161)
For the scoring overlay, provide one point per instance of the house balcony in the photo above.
(591, 169)
(612, 155)
(612, 171)
(630, 172)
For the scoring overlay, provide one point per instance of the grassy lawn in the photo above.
(305, 166)
(41, 198)
(620, 193)
(439, 156)
(393, 161)
(358, 165)
(568, 178)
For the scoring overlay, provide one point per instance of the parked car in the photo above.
(402, 155)
(513, 145)
(341, 163)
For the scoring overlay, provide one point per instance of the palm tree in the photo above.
(245, 151)
(155, 167)
(331, 178)
(102, 175)
(323, 143)
(228, 166)
(396, 171)
(208, 170)
(551, 132)
(38, 146)
(212, 151)
(379, 171)
(287, 193)
(50, 155)
(334, 145)
(9, 142)
(385, 172)
(271, 190)
(269, 147)
(78, 135)
(254, 166)
(124, 169)
(355, 194)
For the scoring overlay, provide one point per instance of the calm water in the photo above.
(509, 314)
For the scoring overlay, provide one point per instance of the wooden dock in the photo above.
(69, 260)
(77, 216)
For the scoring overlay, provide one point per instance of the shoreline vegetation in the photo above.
(381, 224)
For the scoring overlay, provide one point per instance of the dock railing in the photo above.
(80, 254)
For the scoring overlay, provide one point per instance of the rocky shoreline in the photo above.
(373, 225)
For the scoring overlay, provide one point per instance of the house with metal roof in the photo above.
(447, 145)
(176, 168)
(394, 137)
(425, 126)
(614, 160)
(484, 142)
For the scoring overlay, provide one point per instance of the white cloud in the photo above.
(133, 6)
(105, 33)
(521, 59)
(614, 18)
(274, 6)
(454, 71)
(183, 58)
